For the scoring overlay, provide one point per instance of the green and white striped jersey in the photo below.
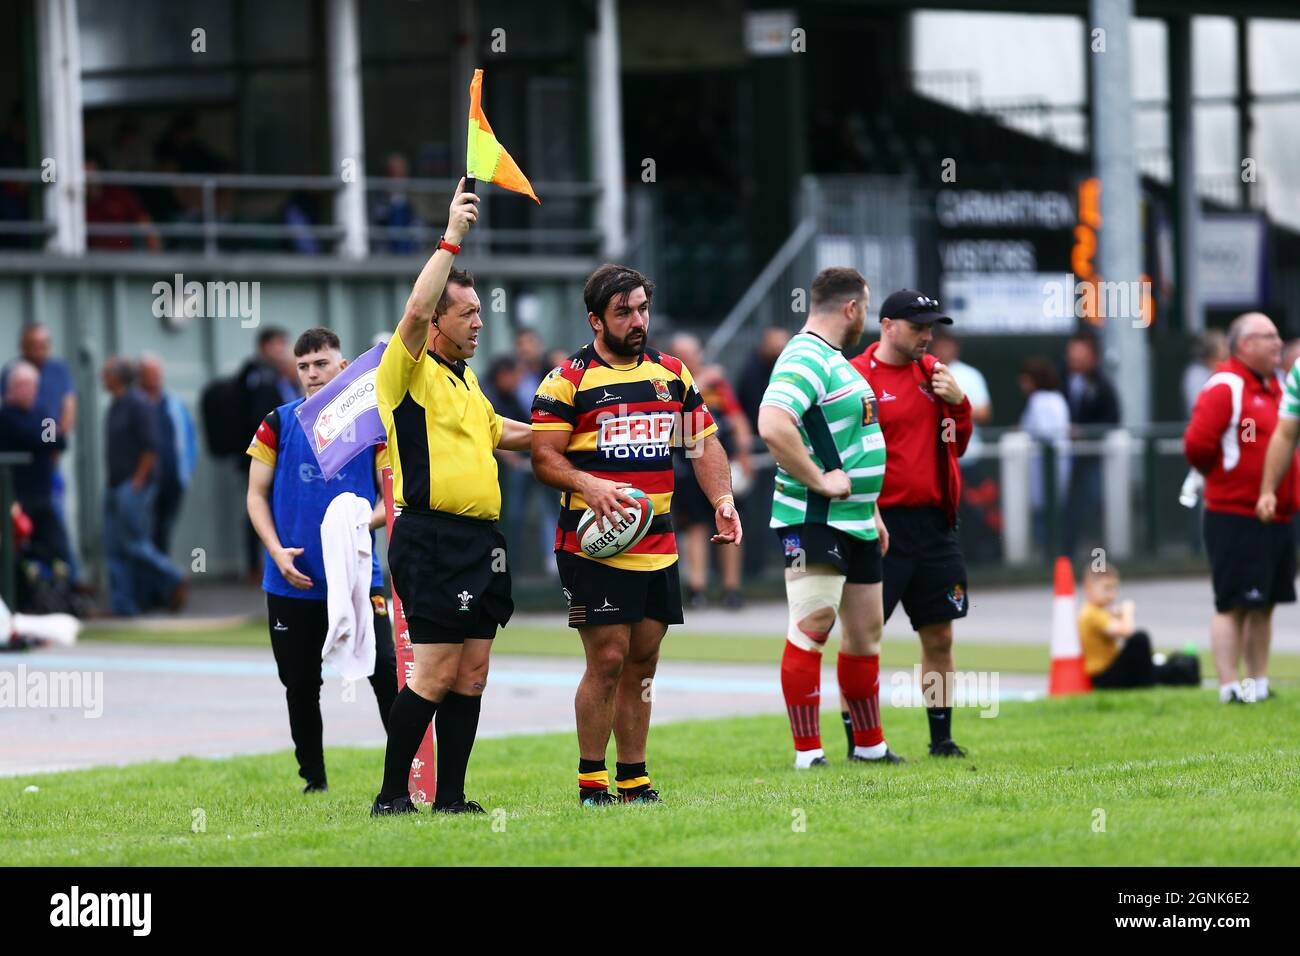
(837, 415)
(1290, 407)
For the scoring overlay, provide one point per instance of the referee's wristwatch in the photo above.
(444, 244)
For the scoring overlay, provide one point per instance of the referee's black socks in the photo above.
(455, 726)
(407, 723)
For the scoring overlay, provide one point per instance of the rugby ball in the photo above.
(606, 539)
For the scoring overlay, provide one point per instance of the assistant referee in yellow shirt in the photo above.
(446, 555)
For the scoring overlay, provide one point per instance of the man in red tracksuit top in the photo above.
(927, 424)
(1252, 563)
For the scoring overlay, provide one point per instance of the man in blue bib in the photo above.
(287, 498)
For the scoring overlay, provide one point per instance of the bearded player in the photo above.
(819, 418)
(606, 420)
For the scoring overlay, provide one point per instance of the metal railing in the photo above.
(864, 222)
(217, 212)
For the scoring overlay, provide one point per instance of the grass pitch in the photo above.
(1156, 777)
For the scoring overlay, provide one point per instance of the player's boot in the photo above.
(316, 786)
(946, 748)
(459, 806)
(402, 804)
(888, 757)
(597, 798)
(644, 796)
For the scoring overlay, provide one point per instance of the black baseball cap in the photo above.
(914, 307)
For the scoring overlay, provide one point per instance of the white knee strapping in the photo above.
(806, 594)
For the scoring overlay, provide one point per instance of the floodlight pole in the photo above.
(1115, 161)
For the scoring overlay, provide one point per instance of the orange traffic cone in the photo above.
(1067, 675)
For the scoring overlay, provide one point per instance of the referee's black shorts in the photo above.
(451, 574)
(924, 567)
(1252, 564)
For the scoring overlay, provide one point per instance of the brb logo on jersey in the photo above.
(636, 435)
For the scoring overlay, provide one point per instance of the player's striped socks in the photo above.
(592, 777)
(631, 779)
(859, 677)
(801, 681)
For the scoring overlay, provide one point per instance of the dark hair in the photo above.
(270, 333)
(506, 363)
(1087, 338)
(313, 340)
(458, 277)
(835, 285)
(1042, 373)
(612, 280)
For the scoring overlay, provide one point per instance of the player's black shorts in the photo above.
(1253, 564)
(924, 567)
(855, 558)
(451, 574)
(600, 594)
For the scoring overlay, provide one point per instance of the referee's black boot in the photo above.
(946, 748)
(459, 806)
(316, 786)
(402, 804)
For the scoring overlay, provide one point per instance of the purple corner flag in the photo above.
(342, 419)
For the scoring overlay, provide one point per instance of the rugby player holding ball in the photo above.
(604, 425)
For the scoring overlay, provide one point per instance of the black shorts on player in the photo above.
(600, 594)
(855, 558)
(1253, 565)
(451, 574)
(924, 567)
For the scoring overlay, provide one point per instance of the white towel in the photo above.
(345, 542)
(55, 628)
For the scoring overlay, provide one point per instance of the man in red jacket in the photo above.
(927, 424)
(1252, 562)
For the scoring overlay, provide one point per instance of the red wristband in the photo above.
(444, 244)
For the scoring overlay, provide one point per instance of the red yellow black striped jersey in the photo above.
(625, 420)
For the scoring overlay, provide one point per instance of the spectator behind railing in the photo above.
(301, 212)
(24, 427)
(394, 209)
(758, 369)
(1093, 401)
(115, 205)
(180, 150)
(14, 197)
(693, 513)
(515, 470)
(1047, 419)
(178, 449)
(1209, 350)
(530, 353)
(56, 400)
(946, 347)
(140, 576)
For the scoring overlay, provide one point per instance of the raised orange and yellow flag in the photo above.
(485, 158)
